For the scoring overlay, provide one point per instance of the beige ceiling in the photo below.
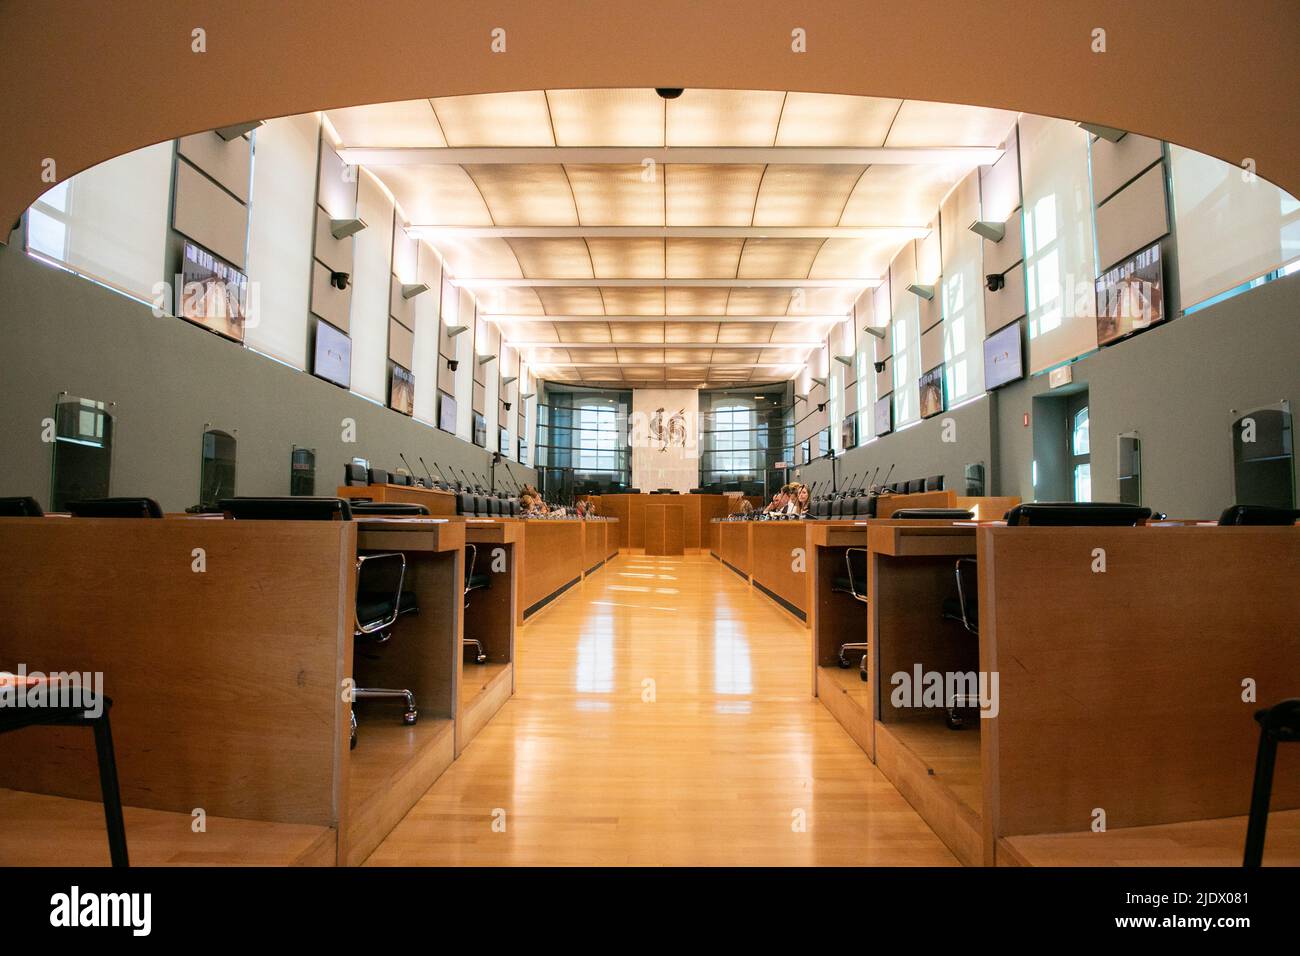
(575, 197)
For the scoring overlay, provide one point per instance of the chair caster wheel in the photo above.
(845, 665)
(953, 721)
(482, 658)
(352, 732)
(864, 677)
(410, 717)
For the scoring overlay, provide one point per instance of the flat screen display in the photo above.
(883, 414)
(931, 388)
(807, 450)
(824, 441)
(333, 360)
(401, 391)
(849, 432)
(523, 451)
(480, 430)
(1131, 296)
(1003, 358)
(446, 412)
(213, 294)
(503, 441)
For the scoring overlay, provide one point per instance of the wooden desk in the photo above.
(836, 619)
(778, 564)
(550, 561)
(1123, 690)
(490, 615)
(733, 546)
(909, 574)
(665, 527)
(698, 513)
(228, 684)
(440, 503)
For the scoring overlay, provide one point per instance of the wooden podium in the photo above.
(665, 528)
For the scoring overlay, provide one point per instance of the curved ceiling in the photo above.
(83, 87)
(618, 237)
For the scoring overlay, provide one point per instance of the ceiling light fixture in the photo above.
(992, 231)
(1109, 133)
(924, 291)
(342, 228)
(239, 129)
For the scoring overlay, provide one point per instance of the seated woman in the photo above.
(800, 501)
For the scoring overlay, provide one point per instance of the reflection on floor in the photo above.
(663, 717)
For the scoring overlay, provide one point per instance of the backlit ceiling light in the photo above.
(924, 291)
(1109, 133)
(342, 228)
(992, 231)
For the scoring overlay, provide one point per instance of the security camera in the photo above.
(821, 407)
(669, 92)
(340, 280)
(880, 366)
(994, 281)
(507, 404)
(452, 365)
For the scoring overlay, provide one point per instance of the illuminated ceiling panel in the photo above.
(620, 117)
(406, 123)
(724, 118)
(831, 119)
(617, 195)
(495, 119)
(804, 195)
(526, 195)
(638, 258)
(711, 195)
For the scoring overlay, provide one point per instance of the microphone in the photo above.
(848, 487)
(420, 459)
(409, 470)
(887, 474)
(871, 485)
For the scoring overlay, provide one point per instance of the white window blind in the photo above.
(368, 321)
(1230, 229)
(109, 223)
(1058, 235)
(282, 218)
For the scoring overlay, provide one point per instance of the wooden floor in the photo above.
(663, 717)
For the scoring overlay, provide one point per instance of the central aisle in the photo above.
(663, 717)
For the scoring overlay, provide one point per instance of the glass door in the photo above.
(1080, 447)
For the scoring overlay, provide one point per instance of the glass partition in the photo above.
(82, 458)
(217, 473)
(1263, 457)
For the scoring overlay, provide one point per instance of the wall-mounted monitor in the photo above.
(824, 441)
(849, 432)
(1003, 357)
(883, 414)
(931, 389)
(333, 356)
(523, 451)
(480, 430)
(401, 390)
(1131, 296)
(503, 440)
(446, 412)
(806, 447)
(213, 293)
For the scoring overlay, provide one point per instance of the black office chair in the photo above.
(916, 486)
(474, 582)
(1107, 514)
(1277, 724)
(20, 507)
(378, 605)
(854, 584)
(376, 476)
(115, 508)
(964, 609)
(934, 514)
(354, 474)
(1258, 515)
(399, 478)
(387, 509)
(75, 715)
(934, 483)
(296, 508)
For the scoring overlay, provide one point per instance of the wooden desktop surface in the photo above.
(438, 502)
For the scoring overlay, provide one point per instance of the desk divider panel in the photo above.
(226, 684)
(1122, 690)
